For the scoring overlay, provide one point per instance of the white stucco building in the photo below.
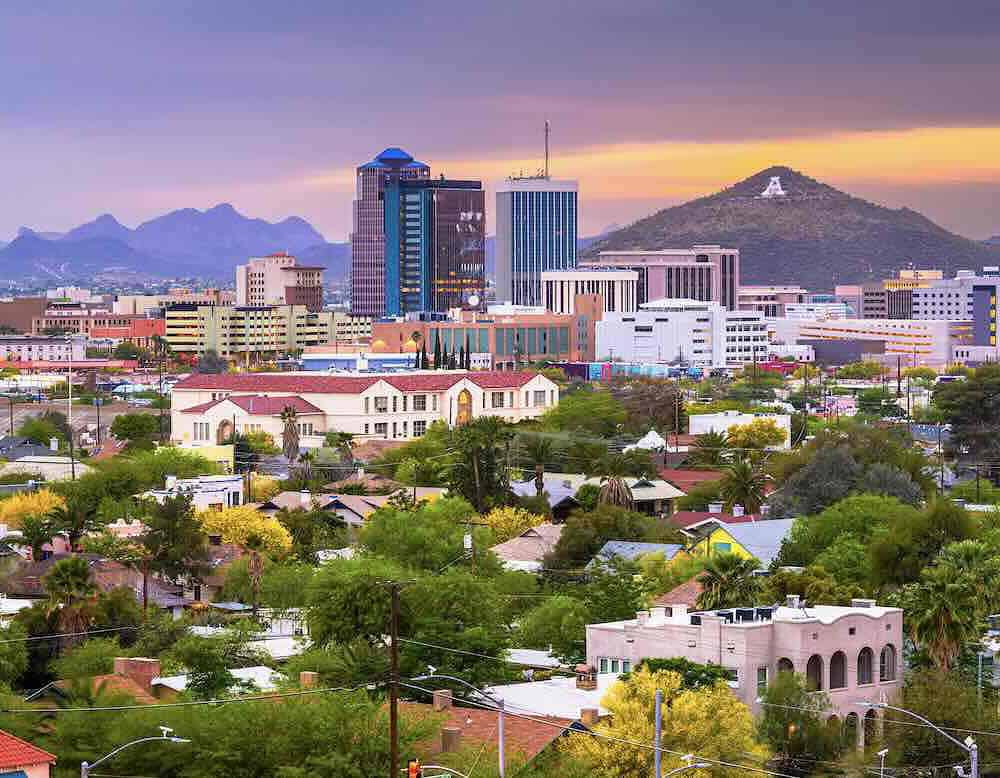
(618, 288)
(207, 492)
(701, 423)
(696, 332)
(207, 408)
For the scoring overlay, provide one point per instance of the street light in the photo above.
(881, 764)
(968, 745)
(489, 697)
(165, 735)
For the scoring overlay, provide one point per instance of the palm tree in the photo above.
(539, 451)
(71, 518)
(709, 450)
(36, 531)
(290, 433)
(743, 484)
(942, 613)
(72, 594)
(614, 488)
(727, 580)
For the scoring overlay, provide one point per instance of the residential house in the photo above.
(248, 681)
(560, 495)
(849, 652)
(559, 696)
(132, 677)
(21, 759)
(630, 551)
(654, 497)
(527, 551)
(207, 492)
(686, 480)
(758, 539)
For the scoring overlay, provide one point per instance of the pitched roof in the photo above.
(685, 479)
(293, 500)
(260, 405)
(761, 538)
(685, 594)
(631, 550)
(15, 752)
(112, 684)
(531, 545)
(686, 519)
(295, 383)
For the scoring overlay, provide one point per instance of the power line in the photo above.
(896, 721)
(67, 635)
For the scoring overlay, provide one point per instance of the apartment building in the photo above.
(153, 304)
(770, 301)
(850, 652)
(140, 332)
(278, 279)
(207, 409)
(78, 321)
(26, 348)
(246, 332)
(618, 288)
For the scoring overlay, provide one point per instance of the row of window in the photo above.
(398, 430)
(865, 672)
(381, 404)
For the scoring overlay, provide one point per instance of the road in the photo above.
(82, 414)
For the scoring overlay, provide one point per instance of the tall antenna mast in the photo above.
(546, 148)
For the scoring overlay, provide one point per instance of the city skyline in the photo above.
(135, 112)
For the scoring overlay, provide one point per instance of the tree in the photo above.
(244, 524)
(594, 412)
(693, 675)
(342, 664)
(41, 431)
(794, 726)
(207, 662)
(614, 591)
(650, 403)
(709, 450)
(727, 580)
(74, 519)
(864, 371)
(828, 477)
(71, 595)
(211, 362)
(540, 451)
(941, 610)
(135, 427)
(95, 656)
(290, 434)
(478, 472)
(891, 482)
(349, 600)
(700, 496)
(972, 407)
(743, 483)
(585, 532)
(814, 584)
(13, 653)
(126, 350)
(118, 609)
(36, 531)
(614, 487)
(508, 522)
(758, 434)
(174, 542)
(588, 496)
(559, 623)
(708, 721)
(312, 530)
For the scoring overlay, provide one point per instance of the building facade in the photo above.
(26, 348)
(278, 279)
(247, 332)
(435, 245)
(850, 652)
(723, 421)
(206, 409)
(368, 270)
(504, 338)
(709, 273)
(769, 300)
(618, 289)
(19, 313)
(536, 230)
(153, 304)
(693, 332)
(141, 332)
(78, 321)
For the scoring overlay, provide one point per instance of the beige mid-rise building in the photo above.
(278, 279)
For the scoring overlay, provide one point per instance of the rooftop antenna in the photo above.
(546, 148)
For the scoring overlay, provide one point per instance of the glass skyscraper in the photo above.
(536, 230)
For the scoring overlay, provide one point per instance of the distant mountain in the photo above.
(206, 243)
(813, 234)
(335, 257)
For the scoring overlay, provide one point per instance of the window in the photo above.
(510, 399)
(404, 429)
(366, 406)
(434, 402)
(838, 670)
(496, 398)
(814, 672)
(539, 398)
(382, 428)
(602, 665)
(865, 666)
(366, 429)
(626, 666)
(420, 402)
(732, 677)
(381, 405)
(614, 666)
(722, 548)
(887, 664)
(761, 680)
(419, 428)
(395, 402)
(405, 400)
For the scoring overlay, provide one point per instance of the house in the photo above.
(400, 406)
(686, 593)
(849, 652)
(207, 586)
(207, 492)
(20, 759)
(248, 680)
(723, 421)
(630, 551)
(527, 551)
(559, 696)
(14, 447)
(49, 466)
(692, 520)
(558, 494)
(686, 480)
(132, 677)
(759, 539)
(654, 497)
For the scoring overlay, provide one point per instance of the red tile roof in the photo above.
(524, 738)
(685, 594)
(15, 752)
(687, 518)
(260, 405)
(328, 384)
(685, 479)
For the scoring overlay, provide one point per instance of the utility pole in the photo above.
(899, 375)
(940, 462)
(657, 755)
(159, 348)
(69, 407)
(394, 680)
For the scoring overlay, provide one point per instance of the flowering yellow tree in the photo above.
(708, 722)
(244, 523)
(16, 507)
(508, 522)
(263, 487)
(759, 433)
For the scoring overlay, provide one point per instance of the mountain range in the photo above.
(813, 234)
(186, 242)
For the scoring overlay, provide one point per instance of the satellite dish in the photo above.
(474, 300)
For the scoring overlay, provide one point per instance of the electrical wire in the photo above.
(67, 635)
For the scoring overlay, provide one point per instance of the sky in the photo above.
(139, 107)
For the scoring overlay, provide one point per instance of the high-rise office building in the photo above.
(368, 270)
(536, 230)
(435, 244)
(278, 279)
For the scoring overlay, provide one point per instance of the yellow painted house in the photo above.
(760, 539)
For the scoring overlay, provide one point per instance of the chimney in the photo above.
(171, 482)
(308, 679)
(737, 511)
(792, 601)
(442, 699)
(642, 617)
(305, 498)
(858, 603)
(139, 669)
(715, 507)
(588, 716)
(451, 738)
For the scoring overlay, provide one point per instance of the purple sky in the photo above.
(140, 107)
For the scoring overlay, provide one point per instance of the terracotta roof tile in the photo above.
(327, 384)
(685, 479)
(15, 752)
(260, 405)
(685, 519)
(685, 594)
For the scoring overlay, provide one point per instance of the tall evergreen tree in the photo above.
(437, 350)
(423, 356)
(461, 357)
(468, 353)
(444, 358)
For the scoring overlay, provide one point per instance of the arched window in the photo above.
(887, 664)
(814, 672)
(785, 665)
(838, 670)
(850, 729)
(870, 718)
(865, 660)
